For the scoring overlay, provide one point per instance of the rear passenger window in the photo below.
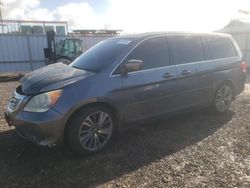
(153, 52)
(186, 49)
(220, 47)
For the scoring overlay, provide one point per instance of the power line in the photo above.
(1, 11)
(1, 16)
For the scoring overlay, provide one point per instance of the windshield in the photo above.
(102, 54)
(59, 47)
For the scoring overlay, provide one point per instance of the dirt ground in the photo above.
(196, 149)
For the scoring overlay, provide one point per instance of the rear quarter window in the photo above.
(220, 47)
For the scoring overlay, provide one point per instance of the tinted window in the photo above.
(220, 47)
(186, 49)
(101, 55)
(153, 52)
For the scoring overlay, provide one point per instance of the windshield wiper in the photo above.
(87, 70)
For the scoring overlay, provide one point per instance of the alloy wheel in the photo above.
(224, 98)
(95, 130)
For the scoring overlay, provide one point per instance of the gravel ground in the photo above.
(195, 149)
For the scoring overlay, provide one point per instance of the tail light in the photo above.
(243, 66)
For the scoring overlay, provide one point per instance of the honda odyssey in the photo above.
(122, 81)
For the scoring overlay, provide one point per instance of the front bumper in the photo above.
(40, 128)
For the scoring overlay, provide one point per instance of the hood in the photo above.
(51, 77)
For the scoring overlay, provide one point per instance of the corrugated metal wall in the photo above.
(21, 53)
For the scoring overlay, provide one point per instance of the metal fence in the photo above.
(22, 53)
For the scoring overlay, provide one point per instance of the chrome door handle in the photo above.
(168, 75)
(186, 72)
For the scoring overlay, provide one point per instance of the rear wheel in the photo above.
(223, 98)
(91, 130)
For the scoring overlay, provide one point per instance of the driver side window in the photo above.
(153, 52)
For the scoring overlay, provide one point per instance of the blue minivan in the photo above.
(122, 81)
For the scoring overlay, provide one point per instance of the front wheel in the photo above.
(91, 130)
(223, 98)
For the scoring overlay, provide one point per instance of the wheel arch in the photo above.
(228, 82)
(108, 105)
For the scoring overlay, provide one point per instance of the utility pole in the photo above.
(1, 10)
(1, 15)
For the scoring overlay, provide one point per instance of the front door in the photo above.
(150, 91)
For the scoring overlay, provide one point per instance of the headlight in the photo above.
(43, 102)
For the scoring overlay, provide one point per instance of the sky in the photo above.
(130, 15)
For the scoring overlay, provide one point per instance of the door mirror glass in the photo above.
(132, 65)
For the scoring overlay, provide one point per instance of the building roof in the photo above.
(94, 31)
(33, 21)
(236, 26)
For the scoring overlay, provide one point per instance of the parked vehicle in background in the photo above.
(64, 51)
(123, 81)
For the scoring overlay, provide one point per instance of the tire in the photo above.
(91, 130)
(223, 98)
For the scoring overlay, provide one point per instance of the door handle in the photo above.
(186, 72)
(168, 75)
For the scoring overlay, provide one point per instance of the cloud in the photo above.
(78, 15)
(40, 14)
(19, 9)
(199, 15)
(134, 15)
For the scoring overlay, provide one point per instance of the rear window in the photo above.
(220, 47)
(186, 49)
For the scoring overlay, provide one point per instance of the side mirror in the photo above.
(131, 66)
